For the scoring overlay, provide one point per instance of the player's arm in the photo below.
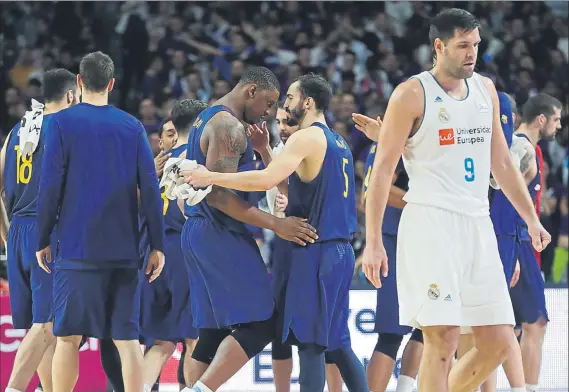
(226, 142)
(296, 149)
(508, 177)
(528, 161)
(52, 180)
(267, 157)
(4, 224)
(395, 198)
(405, 106)
(151, 203)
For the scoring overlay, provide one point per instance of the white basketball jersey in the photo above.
(448, 158)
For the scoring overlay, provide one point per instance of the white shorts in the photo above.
(449, 270)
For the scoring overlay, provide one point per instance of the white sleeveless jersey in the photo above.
(448, 158)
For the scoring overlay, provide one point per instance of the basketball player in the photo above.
(446, 123)
(319, 167)
(541, 119)
(165, 313)
(231, 298)
(30, 286)
(89, 184)
(282, 353)
(390, 332)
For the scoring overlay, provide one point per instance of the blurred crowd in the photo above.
(166, 51)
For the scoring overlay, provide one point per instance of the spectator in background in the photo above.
(148, 116)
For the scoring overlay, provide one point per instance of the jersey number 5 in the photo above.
(469, 167)
(346, 179)
(23, 167)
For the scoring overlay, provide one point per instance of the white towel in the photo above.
(176, 187)
(30, 128)
(272, 193)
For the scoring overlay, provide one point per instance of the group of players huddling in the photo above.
(95, 249)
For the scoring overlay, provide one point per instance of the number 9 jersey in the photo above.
(22, 173)
(448, 158)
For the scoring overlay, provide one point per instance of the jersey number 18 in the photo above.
(23, 167)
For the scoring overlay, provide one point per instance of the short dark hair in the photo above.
(164, 122)
(263, 77)
(185, 112)
(539, 104)
(56, 83)
(96, 70)
(447, 22)
(316, 87)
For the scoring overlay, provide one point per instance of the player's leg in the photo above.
(528, 298)
(312, 375)
(185, 360)
(154, 360)
(486, 306)
(111, 362)
(246, 341)
(508, 248)
(351, 370)
(30, 301)
(124, 311)
(491, 349)
(282, 365)
(44, 369)
(335, 286)
(203, 354)
(333, 376)
(65, 366)
(380, 367)
(410, 362)
(428, 272)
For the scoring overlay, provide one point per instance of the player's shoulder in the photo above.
(409, 97)
(487, 82)
(225, 124)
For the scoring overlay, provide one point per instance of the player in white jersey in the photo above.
(446, 123)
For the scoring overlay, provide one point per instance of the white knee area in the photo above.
(12, 390)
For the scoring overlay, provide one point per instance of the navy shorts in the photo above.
(165, 308)
(30, 286)
(100, 303)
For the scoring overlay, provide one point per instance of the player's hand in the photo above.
(375, 262)
(259, 136)
(540, 238)
(155, 265)
(198, 178)
(295, 230)
(281, 202)
(160, 162)
(44, 256)
(368, 125)
(515, 275)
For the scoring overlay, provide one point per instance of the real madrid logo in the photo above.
(444, 116)
(434, 292)
(504, 119)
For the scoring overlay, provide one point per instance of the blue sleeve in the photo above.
(150, 198)
(52, 178)
(506, 117)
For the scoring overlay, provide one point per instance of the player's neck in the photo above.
(53, 107)
(312, 117)
(231, 100)
(532, 132)
(95, 99)
(182, 139)
(448, 83)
